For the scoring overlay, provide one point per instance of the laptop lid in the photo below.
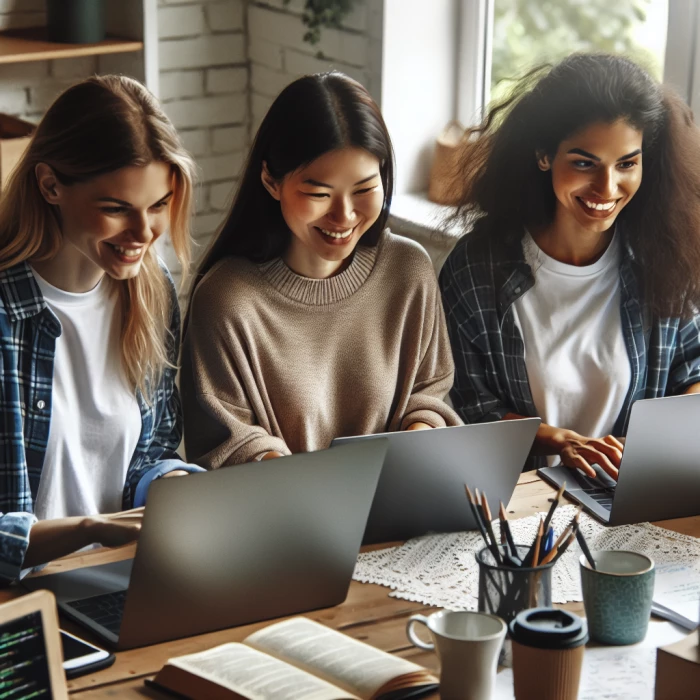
(660, 469)
(421, 487)
(659, 474)
(250, 542)
(236, 545)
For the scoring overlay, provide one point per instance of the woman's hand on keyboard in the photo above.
(51, 539)
(115, 529)
(579, 452)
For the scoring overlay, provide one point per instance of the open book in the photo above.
(291, 660)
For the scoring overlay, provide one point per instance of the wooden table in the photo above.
(368, 614)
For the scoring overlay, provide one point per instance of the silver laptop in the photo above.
(660, 470)
(230, 547)
(421, 487)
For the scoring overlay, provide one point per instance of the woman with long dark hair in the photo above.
(577, 291)
(307, 320)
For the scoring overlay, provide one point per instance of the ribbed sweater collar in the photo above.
(323, 292)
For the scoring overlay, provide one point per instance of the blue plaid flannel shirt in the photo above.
(479, 284)
(28, 333)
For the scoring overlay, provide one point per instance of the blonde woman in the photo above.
(89, 323)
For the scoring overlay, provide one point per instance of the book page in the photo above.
(257, 676)
(350, 664)
(678, 587)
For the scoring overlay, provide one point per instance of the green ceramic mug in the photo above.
(617, 596)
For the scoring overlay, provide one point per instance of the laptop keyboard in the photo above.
(601, 489)
(106, 609)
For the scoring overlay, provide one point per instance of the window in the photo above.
(446, 59)
(502, 39)
(527, 33)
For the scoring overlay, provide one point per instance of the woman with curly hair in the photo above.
(577, 291)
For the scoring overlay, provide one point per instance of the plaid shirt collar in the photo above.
(513, 276)
(21, 295)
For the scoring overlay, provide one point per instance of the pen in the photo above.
(553, 507)
(548, 541)
(535, 549)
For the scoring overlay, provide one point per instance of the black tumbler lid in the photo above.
(549, 628)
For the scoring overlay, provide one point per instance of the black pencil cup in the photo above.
(506, 590)
(75, 21)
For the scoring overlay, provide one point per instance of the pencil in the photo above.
(553, 507)
(584, 547)
(567, 531)
(564, 547)
(505, 526)
(555, 547)
(489, 525)
(536, 553)
(575, 520)
(493, 546)
(477, 517)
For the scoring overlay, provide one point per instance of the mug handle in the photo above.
(413, 637)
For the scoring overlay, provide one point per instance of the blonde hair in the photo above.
(95, 127)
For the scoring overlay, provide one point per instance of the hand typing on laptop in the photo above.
(51, 539)
(577, 451)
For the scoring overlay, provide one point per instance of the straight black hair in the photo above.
(310, 117)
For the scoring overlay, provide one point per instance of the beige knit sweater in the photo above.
(276, 361)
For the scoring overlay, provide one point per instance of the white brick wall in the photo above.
(204, 90)
(278, 54)
(221, 64)
(218, 85)
(27, 89)
(179, 21)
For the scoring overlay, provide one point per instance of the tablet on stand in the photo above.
(30, 647)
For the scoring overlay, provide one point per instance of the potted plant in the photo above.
(323, 13)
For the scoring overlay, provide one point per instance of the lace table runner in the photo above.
(441, 570)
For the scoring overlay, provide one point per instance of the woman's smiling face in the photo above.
(109, 222)
(595, 174)
(328, 205)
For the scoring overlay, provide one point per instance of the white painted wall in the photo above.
(418, 82)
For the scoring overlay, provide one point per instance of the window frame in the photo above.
(469, 56)
(681, 60)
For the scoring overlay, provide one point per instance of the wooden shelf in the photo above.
(31, 45)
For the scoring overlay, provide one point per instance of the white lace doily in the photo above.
(441, 570)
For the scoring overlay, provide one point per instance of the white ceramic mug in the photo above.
(467, 644)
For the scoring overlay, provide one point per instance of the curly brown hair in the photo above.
(504, 190)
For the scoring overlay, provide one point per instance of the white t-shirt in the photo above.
(95, 418)
(577, 364)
